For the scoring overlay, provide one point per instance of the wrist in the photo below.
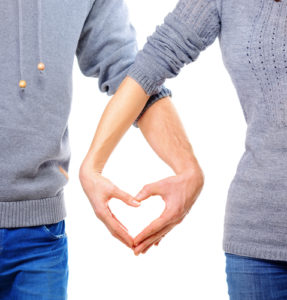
(191, 170)
(187, 165)
(88, 166)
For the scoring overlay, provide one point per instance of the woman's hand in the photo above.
(121, 111)
(179, 193)
(99, 191)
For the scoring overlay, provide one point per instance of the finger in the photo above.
(149, 190)
(116, 229)
(124, 227)
(155, 226)
(154, 243)
(157, 242)
(122, 240)
(146, 249)
(152, 239)
(125, 197)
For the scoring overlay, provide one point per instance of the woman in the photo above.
(252, 37)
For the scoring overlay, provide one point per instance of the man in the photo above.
(38, 44)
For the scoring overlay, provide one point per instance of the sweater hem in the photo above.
(34, 212)
(261, 252)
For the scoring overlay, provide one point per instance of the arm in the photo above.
(106, 49)
(189, 29)
(164, 132)
(175, 43)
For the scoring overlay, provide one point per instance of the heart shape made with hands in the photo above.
(135, 219)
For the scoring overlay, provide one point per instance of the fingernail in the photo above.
(136, 202)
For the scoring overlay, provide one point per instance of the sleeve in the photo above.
(190, 28)
(107, 47)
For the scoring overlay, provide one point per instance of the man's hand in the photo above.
(99, 191)
(179, 193)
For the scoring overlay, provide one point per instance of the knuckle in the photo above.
(81, 173)
(162, 183)
(146, 188)
(99, 213)
(113, 233)
(178, 212)
(201, 178)
(168, 215)
(113, 189)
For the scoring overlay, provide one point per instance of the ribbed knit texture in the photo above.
(252, 36)
(32, 212)
(197, 26)
(34, 137)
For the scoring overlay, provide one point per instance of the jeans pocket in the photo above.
(55, 231)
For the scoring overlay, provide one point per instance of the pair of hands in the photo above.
(179, 193)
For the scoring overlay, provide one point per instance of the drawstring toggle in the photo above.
(22, 84)
(41, 66)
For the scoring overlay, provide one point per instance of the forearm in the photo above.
(118, 116)
(164, 132)
(162, 128)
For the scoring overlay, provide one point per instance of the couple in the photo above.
(38, 42)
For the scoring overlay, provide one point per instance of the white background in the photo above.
(189, 262)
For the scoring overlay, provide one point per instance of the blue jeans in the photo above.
(34, 262)
(255, 279)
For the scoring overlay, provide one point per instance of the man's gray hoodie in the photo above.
(39, 40)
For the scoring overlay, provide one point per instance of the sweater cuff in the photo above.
(164, 92)
(150, 86)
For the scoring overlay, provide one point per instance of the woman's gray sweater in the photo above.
(253, 37)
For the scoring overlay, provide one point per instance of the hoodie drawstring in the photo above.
(41, 66)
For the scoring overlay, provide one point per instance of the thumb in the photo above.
(147, 191)
(125, 197)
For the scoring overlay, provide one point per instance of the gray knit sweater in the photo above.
(35, 99)
(253, 41)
